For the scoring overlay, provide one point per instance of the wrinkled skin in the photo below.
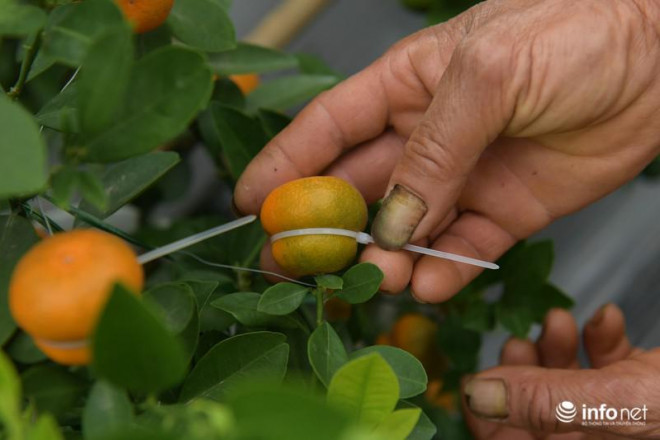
(513, 114)
(536, 374)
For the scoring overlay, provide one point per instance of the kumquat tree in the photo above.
(117, 325)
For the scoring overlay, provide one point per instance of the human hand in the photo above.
(517, 401)
(488, 127)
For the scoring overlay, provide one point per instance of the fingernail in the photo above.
(237, 212)
(487, 398)
(397, 218)
(598, 316)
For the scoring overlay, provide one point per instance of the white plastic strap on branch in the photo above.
(364, 238)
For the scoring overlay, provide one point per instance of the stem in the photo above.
(254, 253)
(30, 52)
(318, 292)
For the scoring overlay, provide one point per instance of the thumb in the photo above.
(555, 400)
(472, 105)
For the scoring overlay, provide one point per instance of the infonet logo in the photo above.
(566, 411)
(601, 415)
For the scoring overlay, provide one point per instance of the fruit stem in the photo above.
(28, 58)
(318, 293)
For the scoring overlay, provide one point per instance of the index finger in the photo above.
(352, 112)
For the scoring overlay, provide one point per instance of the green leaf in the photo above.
(459, 344)
(282, 298)
(244, 307)
(239, 136)
(123, 181)
(176, 305)
(103, 78)
(210, 318)
(408, 369)
(10, 397)
(92, 190)
(108, 411)
(17, 19)
(22, 349)
(240, 359)
(52, 388)
(64, 183)
(272, 122)
(167, 88)
(61, 112)
(326, 353)
(16, 237)
(45, 428)
(248, 58)
(23, 152)
(285, 92)
(424, 429)
(72, 28)
(361, 282)
(268, 412)
(132, 348)
(366, 388)
(313, 65)
(227, 93)
(517, 320)
(331, 282)
(398, 424)
(528, 268)
(202, 24)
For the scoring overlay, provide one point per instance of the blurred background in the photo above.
(608, 252)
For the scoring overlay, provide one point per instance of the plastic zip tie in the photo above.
(194, 239)
(364, 238)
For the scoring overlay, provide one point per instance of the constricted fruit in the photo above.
(314, 202)
(145, 15)
(247, 82)
(60, 286)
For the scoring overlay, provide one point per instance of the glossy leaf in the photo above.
(366, 388)
(92, 190)
(285, 92)
(167, 88)
(108, 411)
(202, 24)
(45, 428)
(61, 112)
(22, 349)
(331, 282)
(23, 152)
(240, 359)
(326, 353)
(282, 298)
(398, 424)
(248, 58)
(123, 181)
(133, 348)
(72, 28)
(408, 369)
(361, 282)
(19, 19)
(10, 397)
(243, 306)
(176, 304)
(52, 388)
(103, 78)
(16, 237)
(210, 318)
(424, 428)
(238, 136)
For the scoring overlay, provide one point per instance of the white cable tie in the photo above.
(364, 238)
(194, 239)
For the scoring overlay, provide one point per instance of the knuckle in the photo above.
(487, 56)
(537, 409)
(430, 154)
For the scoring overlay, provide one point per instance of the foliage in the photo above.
(94, 118)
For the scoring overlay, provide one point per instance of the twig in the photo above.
(284, 22)
(28, 58)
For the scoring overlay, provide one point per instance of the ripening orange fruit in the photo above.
(314, 202)
(247, 82)
(416, 334)
(59, 287)
(145, 15)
